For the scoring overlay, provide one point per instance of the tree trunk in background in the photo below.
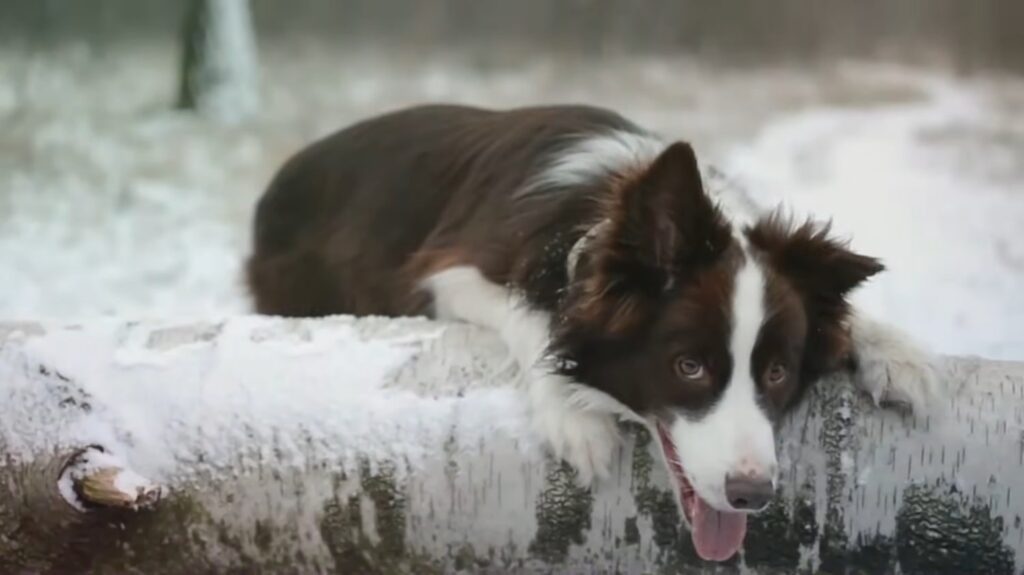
(263, 445)
(219, 67)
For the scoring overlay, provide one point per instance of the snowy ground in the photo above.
(112, 205)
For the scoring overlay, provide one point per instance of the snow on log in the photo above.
(402, 446)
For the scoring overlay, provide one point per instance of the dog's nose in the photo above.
(748, 492)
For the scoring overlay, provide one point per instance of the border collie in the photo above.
(622, 287)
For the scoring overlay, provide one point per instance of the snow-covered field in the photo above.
(110, 204)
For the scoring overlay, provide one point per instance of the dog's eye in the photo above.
(689, 368)
(776, 373)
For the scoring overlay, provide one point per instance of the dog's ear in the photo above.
(666, 221)
(661, 225)
(817, 264)
(823, 271)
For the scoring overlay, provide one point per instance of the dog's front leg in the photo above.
(577, 428)
(890, 366)
(577, 422)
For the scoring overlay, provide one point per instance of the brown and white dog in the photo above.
(622, 288)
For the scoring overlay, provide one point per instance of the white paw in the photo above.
(586, 439)
(894, 369)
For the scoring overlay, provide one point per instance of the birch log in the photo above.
(258, 445)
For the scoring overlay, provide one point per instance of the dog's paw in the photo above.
(893, 369)
(586, 439)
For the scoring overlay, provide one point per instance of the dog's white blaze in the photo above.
(736, 435)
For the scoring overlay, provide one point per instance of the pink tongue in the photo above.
(717, 535)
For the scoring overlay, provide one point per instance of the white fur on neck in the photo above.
(592, 157)
(581, 245)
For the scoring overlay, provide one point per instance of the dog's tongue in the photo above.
(717, 535)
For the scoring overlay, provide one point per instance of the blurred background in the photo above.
(136, 135)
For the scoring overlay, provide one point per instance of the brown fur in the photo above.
(353, 224)
(820, 272)
(662, 225)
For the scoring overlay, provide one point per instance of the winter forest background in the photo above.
(903, 121)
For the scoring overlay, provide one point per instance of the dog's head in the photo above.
(709, 333)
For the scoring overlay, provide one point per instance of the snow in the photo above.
(111, 206)
(950, 232)
(211, 397)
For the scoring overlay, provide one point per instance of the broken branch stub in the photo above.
(95, 478)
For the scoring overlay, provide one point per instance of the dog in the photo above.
(623, 288)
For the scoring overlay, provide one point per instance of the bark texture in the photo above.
(377, 446)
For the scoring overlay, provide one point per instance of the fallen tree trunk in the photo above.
(377, 446)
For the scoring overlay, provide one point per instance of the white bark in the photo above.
(382, 446)
(220, 70)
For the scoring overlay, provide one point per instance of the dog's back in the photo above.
(351, 223)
